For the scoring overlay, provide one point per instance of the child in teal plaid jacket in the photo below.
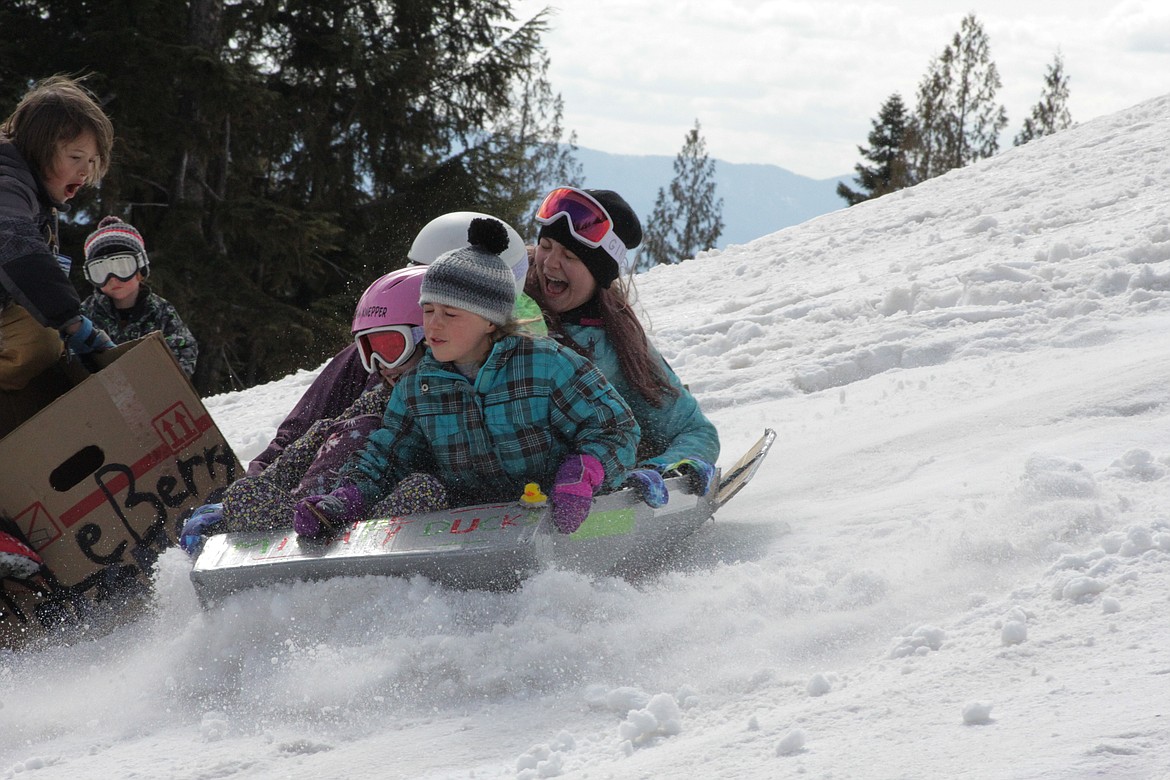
(486, 411)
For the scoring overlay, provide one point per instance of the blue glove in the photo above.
(650, 487)
(699, 475)
(195, 531)
(323, 516)
(87, 339)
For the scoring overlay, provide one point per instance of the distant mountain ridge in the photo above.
(757, 199)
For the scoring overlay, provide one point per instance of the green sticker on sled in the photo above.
(615, 522)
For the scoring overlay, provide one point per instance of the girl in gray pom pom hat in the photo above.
(487, 411)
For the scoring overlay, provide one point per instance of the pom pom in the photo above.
(110, 220)
(489, 234)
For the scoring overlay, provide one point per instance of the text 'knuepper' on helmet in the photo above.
(391, 300)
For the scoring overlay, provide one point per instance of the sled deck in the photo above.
(489, 546)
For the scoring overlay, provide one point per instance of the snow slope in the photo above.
(954, 563)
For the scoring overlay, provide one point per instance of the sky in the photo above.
(954, 563)
(798, 84)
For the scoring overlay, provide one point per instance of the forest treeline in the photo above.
(279, 155)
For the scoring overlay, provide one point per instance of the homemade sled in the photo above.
(96, 483)
(491, 546)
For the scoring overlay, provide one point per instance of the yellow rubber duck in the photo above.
(532, 495)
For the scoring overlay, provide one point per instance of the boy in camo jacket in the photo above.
(122, 304)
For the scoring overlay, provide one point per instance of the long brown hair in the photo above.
(624, 331)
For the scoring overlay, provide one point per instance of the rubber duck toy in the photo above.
(532, 495)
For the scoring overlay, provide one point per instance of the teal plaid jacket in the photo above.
(532, 404)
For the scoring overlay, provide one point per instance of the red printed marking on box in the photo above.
(143, 465)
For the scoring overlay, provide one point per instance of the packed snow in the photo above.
(955, 561)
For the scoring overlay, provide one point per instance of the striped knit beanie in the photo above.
(474, 278)
(113, 236)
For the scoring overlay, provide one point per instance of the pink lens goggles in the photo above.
(589, 222)
(387, 347)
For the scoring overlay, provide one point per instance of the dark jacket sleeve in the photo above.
(30, 275)
(337, 386)
(178, 337)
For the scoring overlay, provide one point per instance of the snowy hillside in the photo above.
(954, 563)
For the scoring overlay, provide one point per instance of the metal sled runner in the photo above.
(492, 546)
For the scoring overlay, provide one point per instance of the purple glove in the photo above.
(318, 516)
(198, 526)
(572, 493)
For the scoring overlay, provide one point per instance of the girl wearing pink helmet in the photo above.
(346, 376)
(387, 331)
(386, 345)
(387, 324)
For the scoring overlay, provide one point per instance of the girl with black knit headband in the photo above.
(575, 273)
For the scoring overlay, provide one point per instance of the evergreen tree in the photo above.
(932, 127)
(278, 155)
(887, 149)
(957, 120)
(657, 246)
(1051, 113)
(527, 148)
(690, 219)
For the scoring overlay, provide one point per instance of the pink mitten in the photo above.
(572, 493)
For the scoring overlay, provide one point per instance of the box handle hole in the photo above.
(77, 467)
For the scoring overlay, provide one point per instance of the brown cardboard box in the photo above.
(98, 483)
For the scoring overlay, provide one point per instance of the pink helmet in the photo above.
(391, 300)
(387, 323)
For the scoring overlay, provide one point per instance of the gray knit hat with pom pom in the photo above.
(474, 278)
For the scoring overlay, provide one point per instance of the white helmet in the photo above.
(442, 234)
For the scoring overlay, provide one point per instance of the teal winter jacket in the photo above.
(532, 404)
(678, 429)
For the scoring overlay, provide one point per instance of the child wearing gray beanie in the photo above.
(474, 277)
(486, 412)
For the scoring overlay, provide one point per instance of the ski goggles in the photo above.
(387, 347)
(122, 267)
(588, 220)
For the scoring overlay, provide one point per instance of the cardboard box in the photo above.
(98, 482)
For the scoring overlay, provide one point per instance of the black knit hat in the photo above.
(474, 277)
(602, 267)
